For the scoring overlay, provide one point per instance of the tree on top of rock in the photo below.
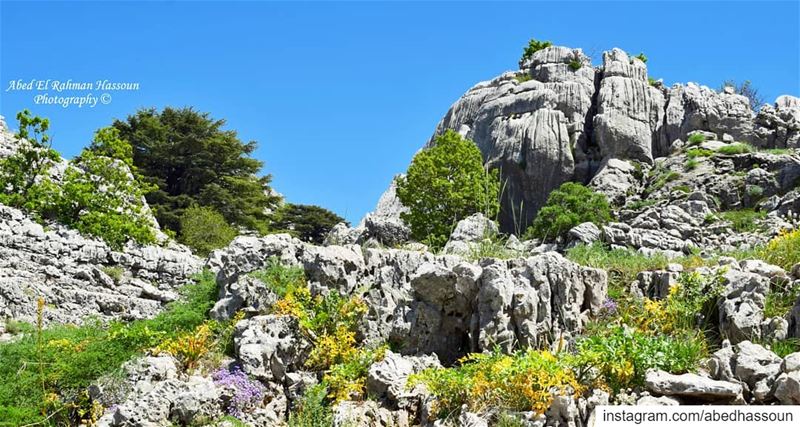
(308, 222)
(445, 184)
(193, 161)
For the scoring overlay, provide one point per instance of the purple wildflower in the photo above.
(609, 307)
(246, 392)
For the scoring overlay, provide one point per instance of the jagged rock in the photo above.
(341, 234)
(388, 378)
(787, 388)
(742, 304)
(586, 232)
(657, 401)
(388, 231)
(248, 294)
(616, 179)
(791, 362)
(68, 271)
(469, 232)
(692, 386)
(270, 346)
(367, 413)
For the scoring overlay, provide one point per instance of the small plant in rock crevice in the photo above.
(247, 393)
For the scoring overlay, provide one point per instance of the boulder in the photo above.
(270, 346)
(692, 386)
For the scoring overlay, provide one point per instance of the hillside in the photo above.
(689, 294)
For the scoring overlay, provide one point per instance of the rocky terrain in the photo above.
(674, 162)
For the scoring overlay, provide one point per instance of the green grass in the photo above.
(623, 265)
(696, 139)
(744, 220)
(780, 301)
(778, 151)
(72, 357)
(694, 153)
(115, 273)
(492, 247)
(683, 188)
(313, 410)
(691, 164)
(736, 148)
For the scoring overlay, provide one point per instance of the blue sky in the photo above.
(340, 96)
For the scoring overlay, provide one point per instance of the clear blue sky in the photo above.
(339, 96)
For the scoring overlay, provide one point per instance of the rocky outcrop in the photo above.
(692, 386)
(559, 119)
(428, 303)
(80, 277)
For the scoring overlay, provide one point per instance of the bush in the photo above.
(783, 250)
(308, 222)
(280, 278)
(746, 89)
(736, 148)
(641, 57)
(619, 356)
(348, 380)
(446, 183)
(204, 229)
(525, 381)
(522, 77)
(569, 205)
(691, 164)
(533, 47)
(744, 220)
(313, 410)
(575, 65)
(97, 195)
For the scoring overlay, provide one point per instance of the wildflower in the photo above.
(246, 392)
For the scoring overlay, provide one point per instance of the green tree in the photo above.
(22, 170)
(308, 222)
(192, 160)
(567, 206)
(204, 229)
(96, 194)
(445, 184)
(532, 47)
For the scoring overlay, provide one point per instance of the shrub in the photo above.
(569, 205)
(575, 65)
(683, 188)
(783, 250)
(736, 148)
(114, 272)
(525, 381)
(204, 229)
(746, 89)
(309, 223)
(189, 347)
(691, 164)
(689, 305)
(280, 278)
(641, 57)
(696, 138)
(652, 81)
(533, 47)
(97, 195)
(755, 192)
(522, 77)
(313, 410)
(619, 356)
(446, 183)
(347, 380)
(744, 220)
(640, 204)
